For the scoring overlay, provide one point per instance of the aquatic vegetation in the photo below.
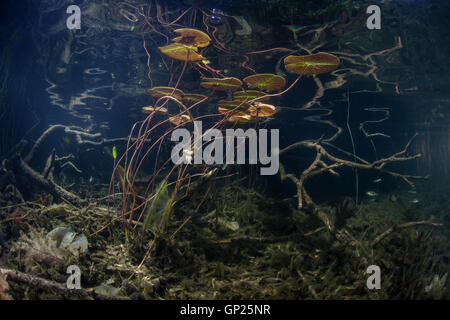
(159, 92)
(160, 204)
(192, 37)
(190, 98)
(39, 249)
(263, 110)
(181, 52)
(179, 120)
(265, 81)
(241, 118)
(150, 110)
(232, 105)
(239, 110)
(321, 62)
(186, 45)
(218, 230)
(221, 84)
(242, 107)
(249, 95)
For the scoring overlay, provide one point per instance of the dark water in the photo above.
(388, 100)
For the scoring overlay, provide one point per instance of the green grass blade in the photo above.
(157, 206)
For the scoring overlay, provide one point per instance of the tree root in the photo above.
(20, 167)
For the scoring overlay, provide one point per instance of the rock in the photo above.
(107, 290)
(149, 286)
(79, 245)
(58, 234)
(67, 239)
(231, 225)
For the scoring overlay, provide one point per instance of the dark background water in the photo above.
(96, 78)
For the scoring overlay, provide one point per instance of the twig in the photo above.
(180, 227)
(310, 287)
(403, 226)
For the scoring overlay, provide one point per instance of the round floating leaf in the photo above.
(191, 98)
(224, 110)
(232, 111)
(249, 95)
(177, 120)
(221, 84)
(192, 37)
(311, 64)
(242, 118)
(258, 109)
(233, 104)
(265, 81)
(238, 108)
(158, 110)
(181, 52)
(159, 92)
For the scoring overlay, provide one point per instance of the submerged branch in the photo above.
(319, 165)
(403, 226)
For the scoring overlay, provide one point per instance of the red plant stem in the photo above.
(148, 61)
(180, 177)
(179, 17)
(246, 66)
(201, 73)
(161, 19)
(153, 28)
(134, 163)
(186, 109)
(162, 137)
(209, 69)
(213, 34)
(279, 93)
(272, 49)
